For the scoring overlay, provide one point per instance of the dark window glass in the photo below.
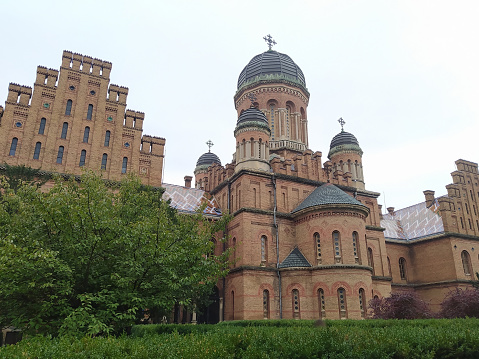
(82, 158)
(86, 134)
(13, 147)
(107, 138)
(402, 268)
(68, 110)
(36, 153)
(41, 130)
(104, 160)
(64, 130)
(124, 165)
(90, 112)
(60, 154)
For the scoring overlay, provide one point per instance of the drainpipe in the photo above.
(277, 249)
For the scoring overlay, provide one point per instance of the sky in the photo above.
(404, 75)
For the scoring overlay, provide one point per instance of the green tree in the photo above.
(90, 258)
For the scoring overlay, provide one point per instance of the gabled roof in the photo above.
(295, 259)
(413, 222)
(327, 194)
(187, 199)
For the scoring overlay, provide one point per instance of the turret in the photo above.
(201, 170)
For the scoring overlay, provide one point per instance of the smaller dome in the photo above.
(344, 138)
(208, 159)
(252, 115)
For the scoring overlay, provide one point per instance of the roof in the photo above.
(327, 194)
(344, 138)
(295, 259)
(413, 222)
(208, 158)
(187, 199)
(271, 63)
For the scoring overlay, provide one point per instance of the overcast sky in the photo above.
(404, 75)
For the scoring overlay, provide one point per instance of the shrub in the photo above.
(404, 305)
(461, 303)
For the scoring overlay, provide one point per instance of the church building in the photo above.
(309, 239)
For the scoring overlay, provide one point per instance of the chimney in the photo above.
(391, 210)
(188, 181)
(429, 197)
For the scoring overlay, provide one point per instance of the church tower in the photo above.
(280, 89)
(201, 170)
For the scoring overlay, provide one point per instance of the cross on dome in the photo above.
(252, 98)
(341, 122)
(269, 40)
(209, 144)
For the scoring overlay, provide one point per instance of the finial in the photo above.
(209, 144)
(341, 122)
(252, 98)
(270, 41)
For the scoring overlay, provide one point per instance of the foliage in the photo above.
(438, 338)
(16, 176)
(404, 305)
(82, 258)
(461, 303)
(475, 283)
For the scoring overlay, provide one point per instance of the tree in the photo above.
(91, 256)
(461, 303)
(404, 305)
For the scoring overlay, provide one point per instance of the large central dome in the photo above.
(271, 65)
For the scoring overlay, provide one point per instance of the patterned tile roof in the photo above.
(413, 222)
(327, 194)
(190, 199)
(295, 259)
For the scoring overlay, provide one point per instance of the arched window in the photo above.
(295, 298)
(362, 302)
(104, 160)
(337, 247)
(234, 252)
(107, 138)
(68, 109)
(251, 141)
(64, 130)
(264, 248)
(90, 112)
(371, 259)
(402, 268)
(317, 244)
(82, 158)
(36, 153)
(13, 146)
(232, 305)
(389, 267)
(43, 122)
(86, 134)
(124, 165)
(60, 154)
(466, 263)
(254, 198)
(357, 258)
(321, 304)
(259, 147)
(343, 314)
(265, 304)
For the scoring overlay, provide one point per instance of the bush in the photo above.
(461, 303)
(403, 305)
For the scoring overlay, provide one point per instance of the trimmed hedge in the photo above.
(457, 338)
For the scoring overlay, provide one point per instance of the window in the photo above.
(321, 304)
(402, 268)
(107, 139)
(264, 244)
(86, 134)
(82, 158)
(342, 303)
(295, 298)
(371, 259)
(13, 146)
(68, 109)
(234, 252)
(90, 112)
(232, 305)
(60, 154)
(64, 130)
(466, 263)
(265, 304)
(124, 165)
(356, 248)
(337, 247)
(389, 267)
(36, 153)
(317, 243)
(43, 122)
(104, 160)
(362, 302)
